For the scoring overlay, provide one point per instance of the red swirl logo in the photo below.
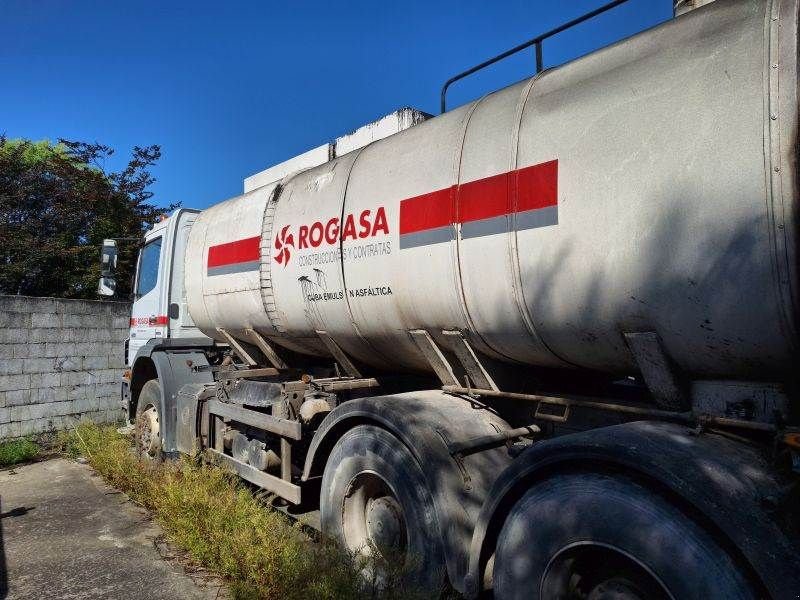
(283, 241)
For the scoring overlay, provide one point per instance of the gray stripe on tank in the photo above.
(427, 237)
(538, 217)
(483, 227)
(234, 268)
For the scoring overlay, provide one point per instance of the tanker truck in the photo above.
(543, 344)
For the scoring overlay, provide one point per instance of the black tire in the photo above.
(369, 464)
(148, 438)
(596, 536)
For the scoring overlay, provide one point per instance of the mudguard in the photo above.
(174, 368)
(426, 422)
(727, 486)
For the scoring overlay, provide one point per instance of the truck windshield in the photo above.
(148, 267)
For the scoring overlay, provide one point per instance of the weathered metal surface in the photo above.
(286, 460)
(466, 355)
(649, 186)
(261, 458)
(284, 489)
(659, 373)
(338, 354)
(281, 427)
(344, 384)
(244, 392)
(731, 487)
(266, 349)
(189, 417)
(492, 440)
(238, 348)
(247, 373)
(752, 401)
(687, 418)
(240, 447)
(224, 287)
(433, 354)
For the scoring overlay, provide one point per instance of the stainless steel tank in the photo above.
(649, 186)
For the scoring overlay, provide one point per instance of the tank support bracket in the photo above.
(660, 374)
(339, 354)
(238, 348)
(433, 354)
(472, 364)
(266, 349)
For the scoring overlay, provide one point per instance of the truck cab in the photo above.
(159, 296)
(159, 309)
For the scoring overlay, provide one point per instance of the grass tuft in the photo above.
(222, 524)
(18, 451)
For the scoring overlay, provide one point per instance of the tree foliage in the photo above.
(58, 203)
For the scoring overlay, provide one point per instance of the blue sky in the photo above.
(230, 88)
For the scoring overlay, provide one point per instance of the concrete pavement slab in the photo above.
(65, 534)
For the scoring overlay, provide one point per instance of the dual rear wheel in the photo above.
(596, 536)
(375, 502)
(574, 536)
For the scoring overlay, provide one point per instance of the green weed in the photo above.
(227, 528)
(18, 451)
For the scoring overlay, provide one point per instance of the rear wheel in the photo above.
(148, 425)
(375, 499)
(599, 537)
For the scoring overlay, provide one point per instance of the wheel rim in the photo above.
(595, 571)
(149, 438)
(372, 517)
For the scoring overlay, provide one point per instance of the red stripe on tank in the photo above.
(427, 211)
(535, 186)
(231, 253)
(483, 199)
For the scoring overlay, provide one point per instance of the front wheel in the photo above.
(148, 421)
(375, 499)
(594, 536)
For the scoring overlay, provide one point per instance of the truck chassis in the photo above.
(279, 428)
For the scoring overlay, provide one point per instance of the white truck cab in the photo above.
(159, 297)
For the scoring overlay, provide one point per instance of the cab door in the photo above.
(148, 315)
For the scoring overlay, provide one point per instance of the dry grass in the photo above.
(227, 528)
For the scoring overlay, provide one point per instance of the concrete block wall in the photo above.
(60, 361)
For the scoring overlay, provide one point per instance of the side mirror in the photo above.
(108, 258)
(106, 286)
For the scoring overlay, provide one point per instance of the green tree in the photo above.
(57, 204)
